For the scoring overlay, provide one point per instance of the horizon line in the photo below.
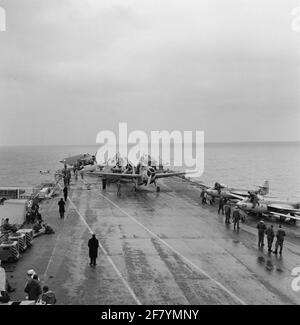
(206, 142)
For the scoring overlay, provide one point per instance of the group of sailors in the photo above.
(269, 232)
(235, 217)
(33, 289)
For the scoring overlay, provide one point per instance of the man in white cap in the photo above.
(31, 274)
(33, 286)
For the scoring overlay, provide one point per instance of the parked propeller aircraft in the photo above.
(82, 159)
(124, 171)
(221, 190)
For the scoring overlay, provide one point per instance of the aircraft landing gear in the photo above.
(157, 189)
(104, 184)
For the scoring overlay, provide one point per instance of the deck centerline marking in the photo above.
(107, 256)
(178, 253)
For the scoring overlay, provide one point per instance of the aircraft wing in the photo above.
(243, 193)
(164, 175)
(114, 175)
(283, 207)
(205, 186)
(236, 196)
(91, 168)
(277, 214)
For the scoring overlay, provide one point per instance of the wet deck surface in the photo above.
(155, 249)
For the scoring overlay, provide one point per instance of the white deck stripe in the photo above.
(179, 254)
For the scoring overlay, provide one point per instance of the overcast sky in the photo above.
(70, 68)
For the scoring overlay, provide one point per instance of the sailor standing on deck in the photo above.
(221, 205)
(203, 196)
(227, 213)
(261, 233)
(93, 249)
(279, 240)
(65, 193)
(270, 237)
(68, 176)
(33, 286)
(119, 188)
(65, 180)
(236, 218)
(61, 205)
(75, 174)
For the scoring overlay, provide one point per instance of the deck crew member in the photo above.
(279, 240)
(221, 205)
(227, 213)
(48, 296)
(93, 249)
(270, 237)
(61, 205)
(261, 233)
(75, 174)
(203, 196)
(236, 218)
(68, 176)
(218, 187)
(33, 288)
(119, 188)
(65, 193)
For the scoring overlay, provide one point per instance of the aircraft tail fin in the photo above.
(264, 189)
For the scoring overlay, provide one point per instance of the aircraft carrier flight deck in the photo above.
(155, 248)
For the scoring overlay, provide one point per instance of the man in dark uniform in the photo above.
(93, 249)
(104, 182)
(65, 193)
(119, 188)
(279, 240)
(270, 237)
(261, 233)
(68, 176)
(61, 205)
(227, 213)
(221, 205)
(202, 196)
(218, 187)
(236, 218)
